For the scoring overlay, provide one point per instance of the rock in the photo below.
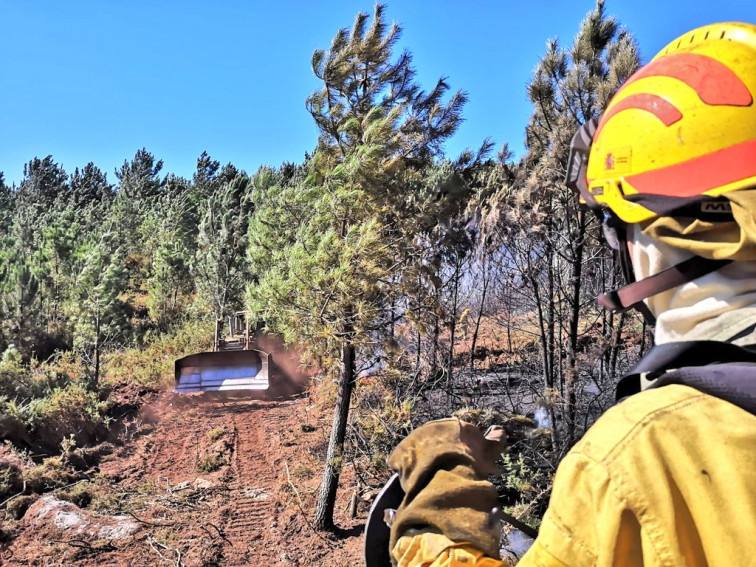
(49, 512)
(203, 484)
(370, 495)
(256, 494)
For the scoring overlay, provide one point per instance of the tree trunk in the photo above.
(642, 348)
(327, 496)
(614, 352)
(436, 335)
(97, 348)
(453, 326)
(486, 278)
(509, 307)
(418, 355)
(551, 317)
(575, 282)
(542, 328)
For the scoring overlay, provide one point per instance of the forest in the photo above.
(416, 285)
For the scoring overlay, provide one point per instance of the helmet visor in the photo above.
(615, 231)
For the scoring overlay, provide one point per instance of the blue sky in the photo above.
(97, 80)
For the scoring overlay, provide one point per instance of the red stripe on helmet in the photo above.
(660, 107)
(696, 176)
(715, 83)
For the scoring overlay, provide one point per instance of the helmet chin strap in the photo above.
(633, 294)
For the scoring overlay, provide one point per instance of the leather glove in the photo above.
(443, 467)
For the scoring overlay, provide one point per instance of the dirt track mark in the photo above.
(252, 477)
(159, 454)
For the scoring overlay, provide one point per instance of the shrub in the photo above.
(210, 462)
(11, 358)
(381, 427)
(215, 433)
(85, 457)
(33, 380)
(12, 465)
(10, 480)
(519, 476)
(72, 411)
(12, 372)
(302, 471)
(51, 474)
(152, 363)
(13, 417)
(79, 494)
(19, 505)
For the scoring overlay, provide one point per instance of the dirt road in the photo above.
(208, 483)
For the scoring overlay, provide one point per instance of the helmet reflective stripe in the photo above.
(714, 82)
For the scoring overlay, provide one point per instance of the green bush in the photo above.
(11, 358)
(10, 480)
(12, 383)
(33, 380)
(72, 411)
(83, 458)
(151, 364)
(215, 433)
(79, 494)
(520, 476)
(381, 420)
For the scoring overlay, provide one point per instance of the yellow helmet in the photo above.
(681, 131)
(675, 150)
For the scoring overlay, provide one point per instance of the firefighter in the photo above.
(668, 475)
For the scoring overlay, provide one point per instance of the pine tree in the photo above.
(61, 235)
(96, 309)
(19, 304)
(140, 178)
(90, 185)
(173, 241)
(44, 182)
(205, 179)
(219, 269)
(20, 271)
(333, 242)
(140, 187)
(6, 205)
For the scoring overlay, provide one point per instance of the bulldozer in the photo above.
(235, 365)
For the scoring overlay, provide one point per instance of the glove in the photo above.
(442, 468)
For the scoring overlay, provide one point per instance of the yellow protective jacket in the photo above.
(667, 477)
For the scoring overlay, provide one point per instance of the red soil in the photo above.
(247, 512)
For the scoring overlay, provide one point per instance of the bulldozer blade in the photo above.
(222, 371)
